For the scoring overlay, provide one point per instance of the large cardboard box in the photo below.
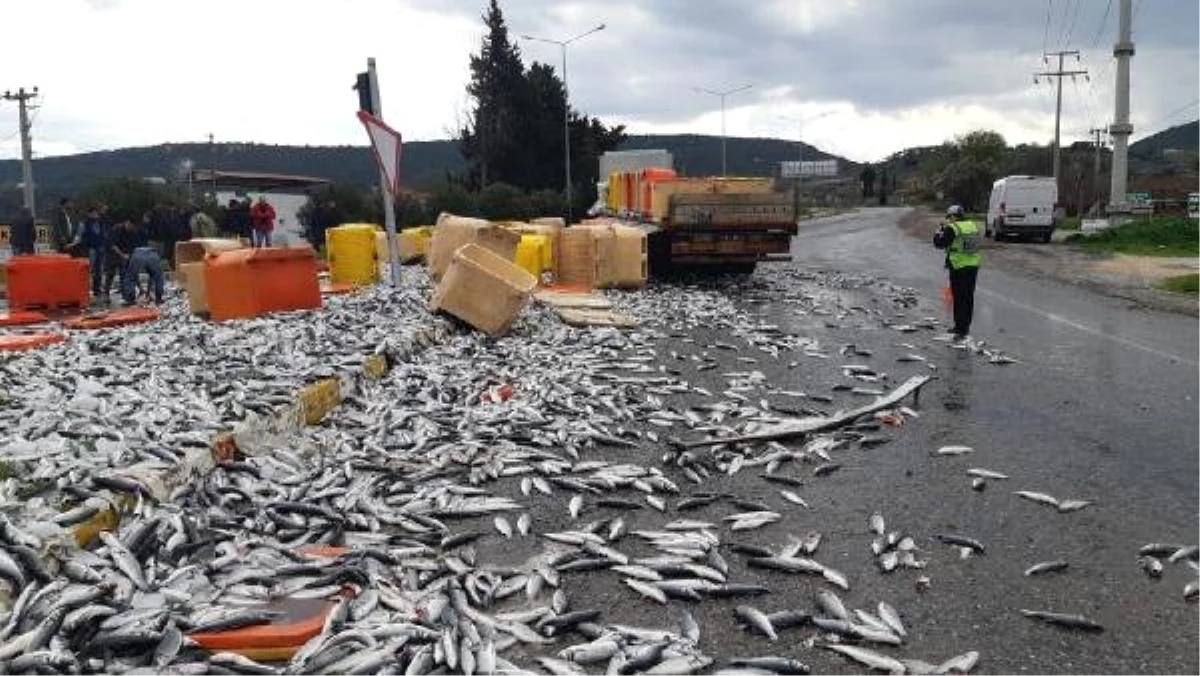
(453, 232)
(192, 278)
(621, 258)
(483, 289)
(577, 255)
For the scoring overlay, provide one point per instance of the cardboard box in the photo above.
(577, 255)
(191, 276)
(483, 289)
(621, 258)
(453, 232)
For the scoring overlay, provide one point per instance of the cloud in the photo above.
(886, 74)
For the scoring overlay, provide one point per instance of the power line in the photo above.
(1074, 21)
(1059, 75)
(1062, 24)
(1046, 30)
(1103, 23)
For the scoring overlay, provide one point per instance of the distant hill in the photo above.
(424, 164)
(1181, 137)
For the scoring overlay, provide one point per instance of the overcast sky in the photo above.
(859, 78)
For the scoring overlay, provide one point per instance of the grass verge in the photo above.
(1166, 236)
(1187, 284)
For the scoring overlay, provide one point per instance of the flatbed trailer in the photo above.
(727, 232)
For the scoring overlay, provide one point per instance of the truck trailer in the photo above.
(727, 224)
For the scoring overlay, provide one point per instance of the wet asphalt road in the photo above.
(1102, 406)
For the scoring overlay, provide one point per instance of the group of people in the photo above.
(254, 222)
(118, 248)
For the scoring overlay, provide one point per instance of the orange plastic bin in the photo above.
(250, 282)
(47, 282)
(28, 341)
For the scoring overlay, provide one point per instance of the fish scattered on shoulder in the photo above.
(1069, 620)
(1055, 566)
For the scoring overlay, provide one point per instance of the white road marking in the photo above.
(1087, 329)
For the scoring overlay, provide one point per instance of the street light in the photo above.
(566, 104)
(722, 96)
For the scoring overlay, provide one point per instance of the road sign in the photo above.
(794, 168)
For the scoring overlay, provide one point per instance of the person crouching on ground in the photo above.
(142, 258)
(960, 239)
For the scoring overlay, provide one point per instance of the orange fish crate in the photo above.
(47, 282)
(250, 282)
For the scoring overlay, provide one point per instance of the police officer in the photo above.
(960, 239)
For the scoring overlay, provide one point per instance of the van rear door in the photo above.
(1029, 202)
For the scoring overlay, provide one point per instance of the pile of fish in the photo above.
(105, 405)
(445, 528)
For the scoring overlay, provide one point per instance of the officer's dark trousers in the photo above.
(962, 285)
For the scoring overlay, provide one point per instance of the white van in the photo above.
(1022, 205)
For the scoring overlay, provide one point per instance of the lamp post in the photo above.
(566, 105)
(722, 96)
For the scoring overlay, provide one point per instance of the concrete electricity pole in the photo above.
(1097, 144)
(1060, 73)
(21, 97)
(1121, 127)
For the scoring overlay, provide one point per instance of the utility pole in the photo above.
(1060, 73)
(21, 97)
(722, 96)
(212, 151)
(1121, 127)
(1097, 144)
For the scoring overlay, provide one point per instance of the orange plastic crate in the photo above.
(28, 341)
(250, 282)
(47, 281)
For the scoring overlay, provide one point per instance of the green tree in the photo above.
(867, 176)
(978, 158)
(515, 133)
(352, 204)
(451, 197)
(503, 202)
(546, 203)
(490, 142)
(128, 197)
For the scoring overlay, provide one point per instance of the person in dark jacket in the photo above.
(63, 229)
(133, 242)
(92, 238)
(23, 235)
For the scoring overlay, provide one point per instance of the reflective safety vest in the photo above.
(964, 250)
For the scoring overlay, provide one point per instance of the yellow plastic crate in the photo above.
(533, 254)
(353, 253)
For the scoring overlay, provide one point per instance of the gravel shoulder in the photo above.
(1130, 278)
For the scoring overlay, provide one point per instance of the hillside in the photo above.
(1181, 137)
(424, 163)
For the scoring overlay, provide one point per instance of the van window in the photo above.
(1028, 194)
